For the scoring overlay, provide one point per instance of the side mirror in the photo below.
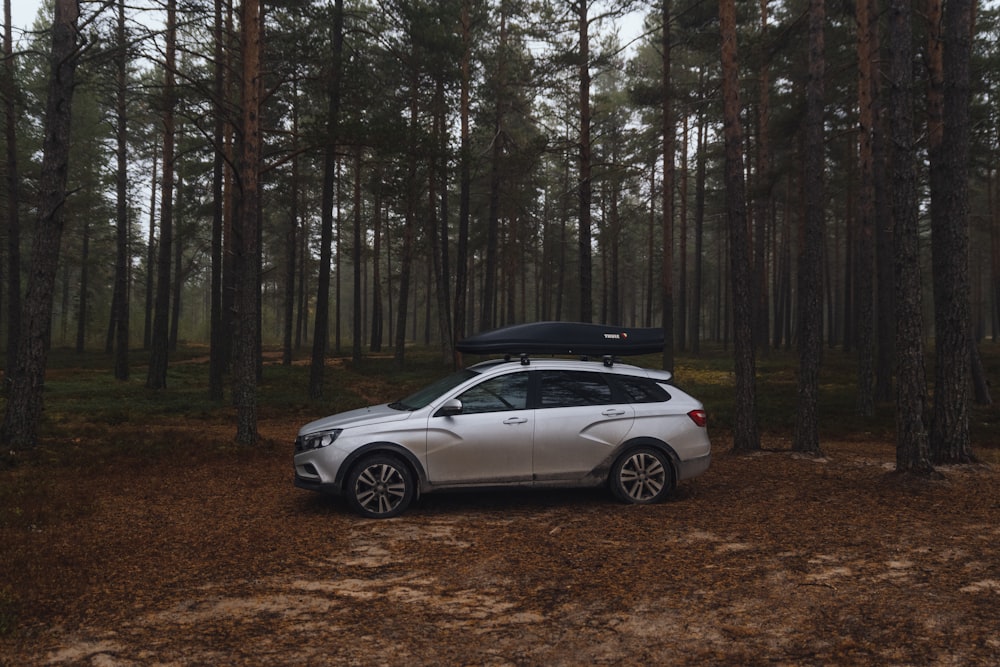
(450, 408)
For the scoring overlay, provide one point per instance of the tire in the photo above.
(380, 487)
(642, 476)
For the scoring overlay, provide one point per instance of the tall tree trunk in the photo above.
(378, 321)
(746, 437)
(438, 221)
(490, 272)
(701, 164)
(147, 330)
(864, 283)
(669, 139)
(291, 237)
(465, 180)
(159, 347)
(13, 200)
(177, 277)
(409, 220)
(949, 437)
(811, 260)
(357, 259)
(25, 403)
(218, 344)
(764, 199)
(246, 229)
(121, 310)
(321, 337)
(682, 244)
(885, 292)
(83, 303)
(584, 184)
(912, 449)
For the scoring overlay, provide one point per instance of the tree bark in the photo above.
(584, 184)
(159, 345)
(465, 180)
(218, 344)
(912, 449)
(746, 437)
(246, 230)
(121, 310)
(806, 437)
(669, 139)
(864, 280)
(949, 437)
(321, 337)
(25, 404)
(13, 201)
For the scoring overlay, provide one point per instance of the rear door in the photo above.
(579, 420)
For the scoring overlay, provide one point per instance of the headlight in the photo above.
(316, 440)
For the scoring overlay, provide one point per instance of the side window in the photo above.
(564, 389)
(499, 394)
(641, 390)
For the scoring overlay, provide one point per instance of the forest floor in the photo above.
(209, 555)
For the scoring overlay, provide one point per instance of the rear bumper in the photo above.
(693, 467)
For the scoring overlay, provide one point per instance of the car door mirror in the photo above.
(450, 408)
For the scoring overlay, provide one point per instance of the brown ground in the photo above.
(214, 558)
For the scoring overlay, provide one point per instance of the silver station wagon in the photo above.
(524, 422)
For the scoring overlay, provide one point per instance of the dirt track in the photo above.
(771, 559)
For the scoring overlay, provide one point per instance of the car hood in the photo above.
(373, 414)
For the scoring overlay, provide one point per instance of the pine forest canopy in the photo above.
(360, 175)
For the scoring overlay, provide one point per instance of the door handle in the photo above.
(613, 413)
(515, 420)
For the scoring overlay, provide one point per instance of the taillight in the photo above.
(698, 417)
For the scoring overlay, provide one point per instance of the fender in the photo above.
(380, 447)
(647, 441)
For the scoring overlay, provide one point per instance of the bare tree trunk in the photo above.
(465, 181)
(864, 284)
(409, 222)
(291, 238)
(357, 259)
(83, 302)
(246, 236)
(147, 331)
(885, 293)
(378, 316)
(13, 201)
(912, 449)
(321, 337)
(764, 197)
(701, 161)
(219, 347)
(584, 185)
(746, 437)
(25, 403)
(949, 437)
(806, 437)
(669, 139)
(120, 301)
(159, 346)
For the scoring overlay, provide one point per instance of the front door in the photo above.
(489, 441)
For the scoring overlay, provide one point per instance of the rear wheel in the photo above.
(380, 487)
(642, 476)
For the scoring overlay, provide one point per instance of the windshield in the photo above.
(423, 397)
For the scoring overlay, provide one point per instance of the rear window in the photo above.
(641, 390)
(565, 389)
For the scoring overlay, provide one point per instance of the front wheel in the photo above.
(642, 476)
(380, 487)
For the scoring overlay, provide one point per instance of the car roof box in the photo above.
(575, 338)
